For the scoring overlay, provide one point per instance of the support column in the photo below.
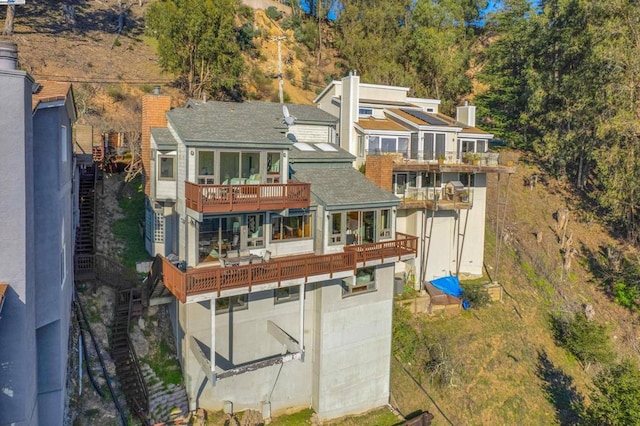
(212, 356)
(301, 338)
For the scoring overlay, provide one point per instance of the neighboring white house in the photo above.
(437, 165)
(279, 257)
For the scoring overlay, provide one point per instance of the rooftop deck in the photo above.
(247, 198)
(185, 285)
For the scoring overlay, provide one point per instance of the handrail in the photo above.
(217, 279)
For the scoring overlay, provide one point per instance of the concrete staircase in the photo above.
(166, 402)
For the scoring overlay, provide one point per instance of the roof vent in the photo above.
(156, 90)
(8, 55)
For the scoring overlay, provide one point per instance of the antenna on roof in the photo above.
(288, 119)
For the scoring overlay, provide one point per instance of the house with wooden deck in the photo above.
(38, 176)
(437, 165)
(276, 257)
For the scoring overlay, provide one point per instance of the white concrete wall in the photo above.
(383, 93)
(353, 349)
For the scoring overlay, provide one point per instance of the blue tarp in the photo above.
(448, 285)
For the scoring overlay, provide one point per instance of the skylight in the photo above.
(326, 147)
(303, 146)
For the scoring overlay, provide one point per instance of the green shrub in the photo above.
(406, 339)
(476, 294)
(291, 23)
(626, 295)
(245, 35)
(588, 341)
(615, 400)
(273, 13)
(246, 12)
(115, 93)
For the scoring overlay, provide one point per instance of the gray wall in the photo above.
(17, 254)
(54, 251)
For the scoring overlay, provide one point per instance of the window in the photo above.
(63, 144)
(361, 227)
(468, 146)
(337, 227)
(205, 167)
(365, 112)
(217, 236)
(233, 303)
(273, 167)
(481, 145)
(388, 144)
(364, 281)
(415, 151)
(167, 168)
(434, 146)
(286, 294)
(399, 183)
(255, 230)
(292, 227)
(385, 223)
(63, 257)
(467, 179)
(238, 168)
(158, 228)
(360, 145)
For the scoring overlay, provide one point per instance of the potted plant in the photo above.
(472, 158)
(441, 159)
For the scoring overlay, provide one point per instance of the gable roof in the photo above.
(46, 91)
(341, 188)
(238, 122)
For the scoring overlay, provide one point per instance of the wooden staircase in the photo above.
(127, 366)
(86, 232)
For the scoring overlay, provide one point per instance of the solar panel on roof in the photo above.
(421, 115)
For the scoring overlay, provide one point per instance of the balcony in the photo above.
(310, 268)
(436, 199)
(486, 162)
(247, 198)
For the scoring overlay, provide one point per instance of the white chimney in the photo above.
(466, 114)
(8, 55)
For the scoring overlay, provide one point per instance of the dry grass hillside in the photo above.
(505, 365)
(110, 72)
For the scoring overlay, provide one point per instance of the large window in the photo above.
(238, 168)
(290, 227)
(218, 236)
(361, 227)
(364, 281)
(388, 144)
(468, 145)
(434, 146)
(167, 168)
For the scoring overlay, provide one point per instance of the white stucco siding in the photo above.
(311, 133)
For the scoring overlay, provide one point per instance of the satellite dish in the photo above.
(288, 119)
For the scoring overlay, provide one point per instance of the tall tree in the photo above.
(440, 51)
(372, 36)
(197, 41)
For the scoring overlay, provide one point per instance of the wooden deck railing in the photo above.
(229, 198)
(216, 279)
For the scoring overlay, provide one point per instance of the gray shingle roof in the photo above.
(256, 122)
(339, 188)
(163, 138)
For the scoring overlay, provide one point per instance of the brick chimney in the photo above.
(379, 170)
(154, 108)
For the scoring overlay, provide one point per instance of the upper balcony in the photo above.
(446, 198)
(452, 161)
(196, 284)
(247, 198)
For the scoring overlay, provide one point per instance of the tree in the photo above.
(587, 340)
(197, 41)
(372, 36)
(9, 19)
(615, 400)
